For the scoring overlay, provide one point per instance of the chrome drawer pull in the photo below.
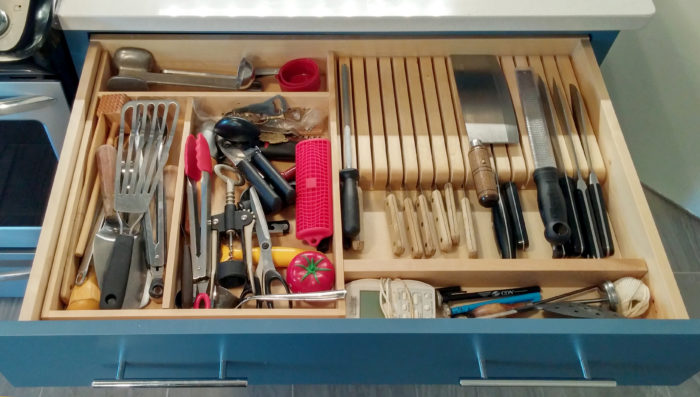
(22, 104)
(121, 383)
(538, 382)
(14, 275)
(587, 381)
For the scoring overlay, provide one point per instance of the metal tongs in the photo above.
(198, 167)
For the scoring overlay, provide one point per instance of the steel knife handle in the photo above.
(484, 177)
(552, 206)
(601, 214)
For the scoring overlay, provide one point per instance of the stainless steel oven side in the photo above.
(26, 106)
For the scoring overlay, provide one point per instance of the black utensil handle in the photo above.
(516, 215)
(601, 214)
(552, 205)
(503, 228)
(350, 205)
(588, 224)
(231, 273)
(270, 201)
(186, 285)
(281, 186)
(117, 273)
(280, 151)
(575, 246)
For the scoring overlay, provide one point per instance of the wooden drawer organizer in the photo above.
(421, 110)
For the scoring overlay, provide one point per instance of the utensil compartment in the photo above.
(385, 162)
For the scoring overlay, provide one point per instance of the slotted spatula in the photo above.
(139, 167)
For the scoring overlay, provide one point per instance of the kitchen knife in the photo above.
(575, 246)
(488, 115)
(503, 222)
(591, 245)
(549, 195)
(595, 190)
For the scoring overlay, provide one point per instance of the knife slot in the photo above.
(461, 126)
(500, 156)
(361, 131)
(392, 133)
(508, 66)
(412, 167)
(420, 124)
(441, 162)
(376, 124)
(566, 71)
(353, 137)
(449, 122)
(552, 75)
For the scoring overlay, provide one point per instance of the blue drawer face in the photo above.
(444, 351)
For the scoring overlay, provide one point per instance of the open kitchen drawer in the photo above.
(307, 345)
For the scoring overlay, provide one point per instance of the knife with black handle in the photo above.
(589, 227)
(503, 221)
(550, 198)
(595, 191)
(575, 246)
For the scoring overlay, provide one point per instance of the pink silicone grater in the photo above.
(314, 206)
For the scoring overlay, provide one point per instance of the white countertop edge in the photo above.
(449, 16)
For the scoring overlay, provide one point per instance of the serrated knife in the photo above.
(550, 198)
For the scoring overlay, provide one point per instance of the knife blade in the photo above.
(583, 200)
(550, 198)
(575, 246)
(595, 190)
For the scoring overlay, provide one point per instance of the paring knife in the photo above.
(503, 222)
(595, 191)
(575, 246)
(550, 198)
(583, 200)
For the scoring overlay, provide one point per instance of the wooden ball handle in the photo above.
(106, 166)
(484, 177)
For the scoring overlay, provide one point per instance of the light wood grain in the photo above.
(449, 121)
(380, 161)
(441, 162)
(361, 118)
(568, 77)
(391, 124)
(426, 168)
(412, 172)
(552, 73)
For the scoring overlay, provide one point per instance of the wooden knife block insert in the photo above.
(408, 136)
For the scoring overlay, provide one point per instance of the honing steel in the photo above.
(488, 116)
(591, 245)
(550, 198)
(350, 208)
(595, 190)
(575, 246)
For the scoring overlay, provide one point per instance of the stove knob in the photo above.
(4, 22)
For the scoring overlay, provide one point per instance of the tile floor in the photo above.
(679, 231)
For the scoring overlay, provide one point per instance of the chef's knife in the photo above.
(549, 195)
(575, 246)
(583, 201)
(488, 115)
(595, 190)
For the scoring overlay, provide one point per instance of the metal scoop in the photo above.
(134, 73)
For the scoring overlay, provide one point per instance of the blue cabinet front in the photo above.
(443, 351)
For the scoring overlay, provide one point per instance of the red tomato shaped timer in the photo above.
(310, 271)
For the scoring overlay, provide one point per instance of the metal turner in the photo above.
(138, 170)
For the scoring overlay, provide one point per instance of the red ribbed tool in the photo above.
(314, 205)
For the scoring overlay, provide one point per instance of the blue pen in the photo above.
(532, 297)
